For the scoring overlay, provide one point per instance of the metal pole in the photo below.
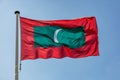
(17, 48)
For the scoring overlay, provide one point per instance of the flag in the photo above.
(74, 38)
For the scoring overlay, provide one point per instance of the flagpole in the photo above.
(17, 48)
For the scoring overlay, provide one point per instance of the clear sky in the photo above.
(104, 67)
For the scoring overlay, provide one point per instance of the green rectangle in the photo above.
(47, 36)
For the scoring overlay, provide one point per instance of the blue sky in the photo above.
(104, 67)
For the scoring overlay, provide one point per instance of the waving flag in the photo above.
(75, 38)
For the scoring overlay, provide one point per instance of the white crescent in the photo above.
(55, 35)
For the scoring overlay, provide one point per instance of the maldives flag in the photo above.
(75, 38)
